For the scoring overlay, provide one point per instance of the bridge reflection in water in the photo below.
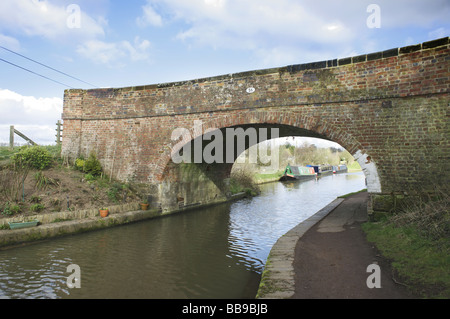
(215, 252)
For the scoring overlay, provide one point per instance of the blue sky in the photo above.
(112, 43)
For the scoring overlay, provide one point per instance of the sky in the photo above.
(48, 46)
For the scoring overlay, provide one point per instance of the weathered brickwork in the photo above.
(390, 109)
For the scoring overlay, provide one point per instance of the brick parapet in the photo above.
(386, 74)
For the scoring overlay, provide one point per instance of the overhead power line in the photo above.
(43, 76)
(48, 67)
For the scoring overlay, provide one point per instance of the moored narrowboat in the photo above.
(340, 169)
(322, 169)
(298, 173)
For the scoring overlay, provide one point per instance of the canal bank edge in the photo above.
(278, 278)
(73, 222)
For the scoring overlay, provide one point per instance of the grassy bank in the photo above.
(242, 181)
(416, 240)
(350, 194)
(267, 178)
(354, 167)
(34, 180)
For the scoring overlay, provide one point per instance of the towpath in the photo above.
(332, 257)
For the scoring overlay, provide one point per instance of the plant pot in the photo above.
(17, 225)
(144, 206)
(104, 212)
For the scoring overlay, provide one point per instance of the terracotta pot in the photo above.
(104, 212)
(144, 206)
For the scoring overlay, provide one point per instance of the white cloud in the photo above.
(32, 116)
(115, 54)
(28, 109)
(418, 13)
(250, 21)
(42, 18)
(273, 30)
(287, 30)
(40, 134)
(438, 33)
(149, 17)
(9, 42)
(138, 52)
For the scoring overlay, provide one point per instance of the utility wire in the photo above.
(18, 66)
(46, 66)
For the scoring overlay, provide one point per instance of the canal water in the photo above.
(214, 252)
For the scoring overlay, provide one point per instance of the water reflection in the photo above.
(257, 224)
(215, 252)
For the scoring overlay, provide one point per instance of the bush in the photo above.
(37, 207)
(10, 209)
(12, 180)
(42, 181)
(242, 181)
(34, 157)
(430, 215)
(79, 164)
(113, 192)
(92, 165)
(89, 177)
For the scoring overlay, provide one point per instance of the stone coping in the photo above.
(278, 278)
(69, 222)
(19, 236)
(71, 215)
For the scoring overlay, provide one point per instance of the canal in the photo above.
(214, 252)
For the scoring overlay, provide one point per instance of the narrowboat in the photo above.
(298, 173)
(322, 169)
(340, 169)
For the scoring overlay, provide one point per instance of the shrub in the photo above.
(113, 192)
(430, 215)
(37, 207)
(12, 180)
(242, 181)
(89, 177)
(10, 209)
(35, 199)
(34, 157)
(79, 164)
(92, 165)
(42, 181)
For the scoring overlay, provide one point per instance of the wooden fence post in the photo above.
(58, 132)
(11, 137)
(13, 131)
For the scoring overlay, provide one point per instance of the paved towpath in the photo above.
(332, 257)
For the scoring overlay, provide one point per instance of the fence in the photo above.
(59, 130)
(13, 131)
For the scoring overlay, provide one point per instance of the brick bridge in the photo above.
(389, 109)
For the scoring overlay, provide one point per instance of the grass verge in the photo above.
(266, 178)
(350, 194)
(416, 240)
